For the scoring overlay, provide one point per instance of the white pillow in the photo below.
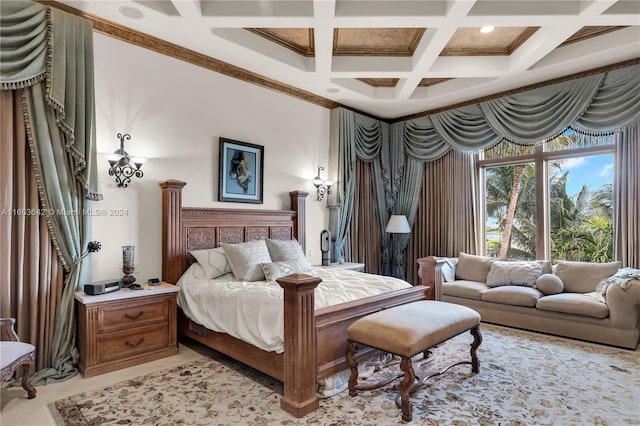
(513, 273)
(245, 259)
(281, 250)
(273, 271)
(213, 261)
(449, 269)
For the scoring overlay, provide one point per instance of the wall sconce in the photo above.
(323, 187)
(120, 164)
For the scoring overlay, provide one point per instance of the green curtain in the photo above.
(588, 105)
(49, 53)
(367, 139)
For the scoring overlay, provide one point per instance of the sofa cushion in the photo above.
(473, 268)
(512, 295)
(573, 303)
(513, 273)
(549, 284)
(466, 289)
(583, 277)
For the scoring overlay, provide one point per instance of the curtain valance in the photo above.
(42, 45)
(23, 51)
(591, 105)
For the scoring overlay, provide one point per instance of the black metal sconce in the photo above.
(120, 164)
(323, 187)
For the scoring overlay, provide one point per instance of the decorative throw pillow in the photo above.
(281, 250)
(513, 273)
(213, 261)
(549, 284)
(473, 268)
(449, 269)
(245, 259)
(273, 271)
(583, 277)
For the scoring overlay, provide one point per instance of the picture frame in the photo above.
(241, 172)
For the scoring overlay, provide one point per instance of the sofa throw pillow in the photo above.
(245, 259)
(549, 284)
(274, 270)
(513, 273)
(449, 269)
(281, 250)
(583, 277)
(473, 268)
(213, 262)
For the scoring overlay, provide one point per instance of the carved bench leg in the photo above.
(409, 378)
(477, 340)
(353, 365)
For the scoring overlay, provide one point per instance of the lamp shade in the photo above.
(398, 224)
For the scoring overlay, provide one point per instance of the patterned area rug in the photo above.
(525, 379)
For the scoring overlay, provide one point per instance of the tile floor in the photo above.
(17, 410)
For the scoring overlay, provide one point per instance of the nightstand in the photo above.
(347, 265)
(126, 327)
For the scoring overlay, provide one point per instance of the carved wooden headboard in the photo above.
(188, 228)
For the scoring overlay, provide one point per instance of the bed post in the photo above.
(298, 206)
(172, 253)
(430, 273)
(300, 344)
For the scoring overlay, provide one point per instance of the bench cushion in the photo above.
(407, 330)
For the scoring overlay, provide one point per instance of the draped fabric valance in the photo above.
(591, 105)
(23, 51)
(42, 45)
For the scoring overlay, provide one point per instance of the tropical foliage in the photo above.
(581, 225)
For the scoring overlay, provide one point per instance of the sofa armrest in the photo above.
(624, 304)
(430, 273)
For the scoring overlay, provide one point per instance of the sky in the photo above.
(594, 171)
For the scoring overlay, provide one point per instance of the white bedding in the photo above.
(253, 311)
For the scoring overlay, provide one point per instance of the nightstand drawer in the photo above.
(127, 327)
(116, 317)
(124, 344)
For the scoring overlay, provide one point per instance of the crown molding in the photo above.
(163, 47)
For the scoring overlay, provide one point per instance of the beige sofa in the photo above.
(597, 302)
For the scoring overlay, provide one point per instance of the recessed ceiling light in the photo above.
(333, 90)
(487, 29)
(131, 12)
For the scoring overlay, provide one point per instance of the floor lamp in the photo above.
(398, 224)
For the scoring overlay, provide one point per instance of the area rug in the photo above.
(525, 379)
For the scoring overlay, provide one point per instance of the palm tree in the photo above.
(511, 210)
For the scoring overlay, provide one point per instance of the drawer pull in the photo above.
(138, 315)
(128, 343)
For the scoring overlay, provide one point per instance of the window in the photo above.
(553, 201)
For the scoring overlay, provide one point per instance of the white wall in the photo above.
(175, 113)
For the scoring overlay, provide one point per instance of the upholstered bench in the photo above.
(406, 331)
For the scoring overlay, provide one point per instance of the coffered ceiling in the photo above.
(390, 58)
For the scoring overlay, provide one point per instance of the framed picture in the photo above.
(241, 172)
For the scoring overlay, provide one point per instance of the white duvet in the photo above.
(253, 311)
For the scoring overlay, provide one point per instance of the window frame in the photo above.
(540, 159)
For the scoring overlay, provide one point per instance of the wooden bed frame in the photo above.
(315, 342)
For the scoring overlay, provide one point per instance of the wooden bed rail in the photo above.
(430, 274)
